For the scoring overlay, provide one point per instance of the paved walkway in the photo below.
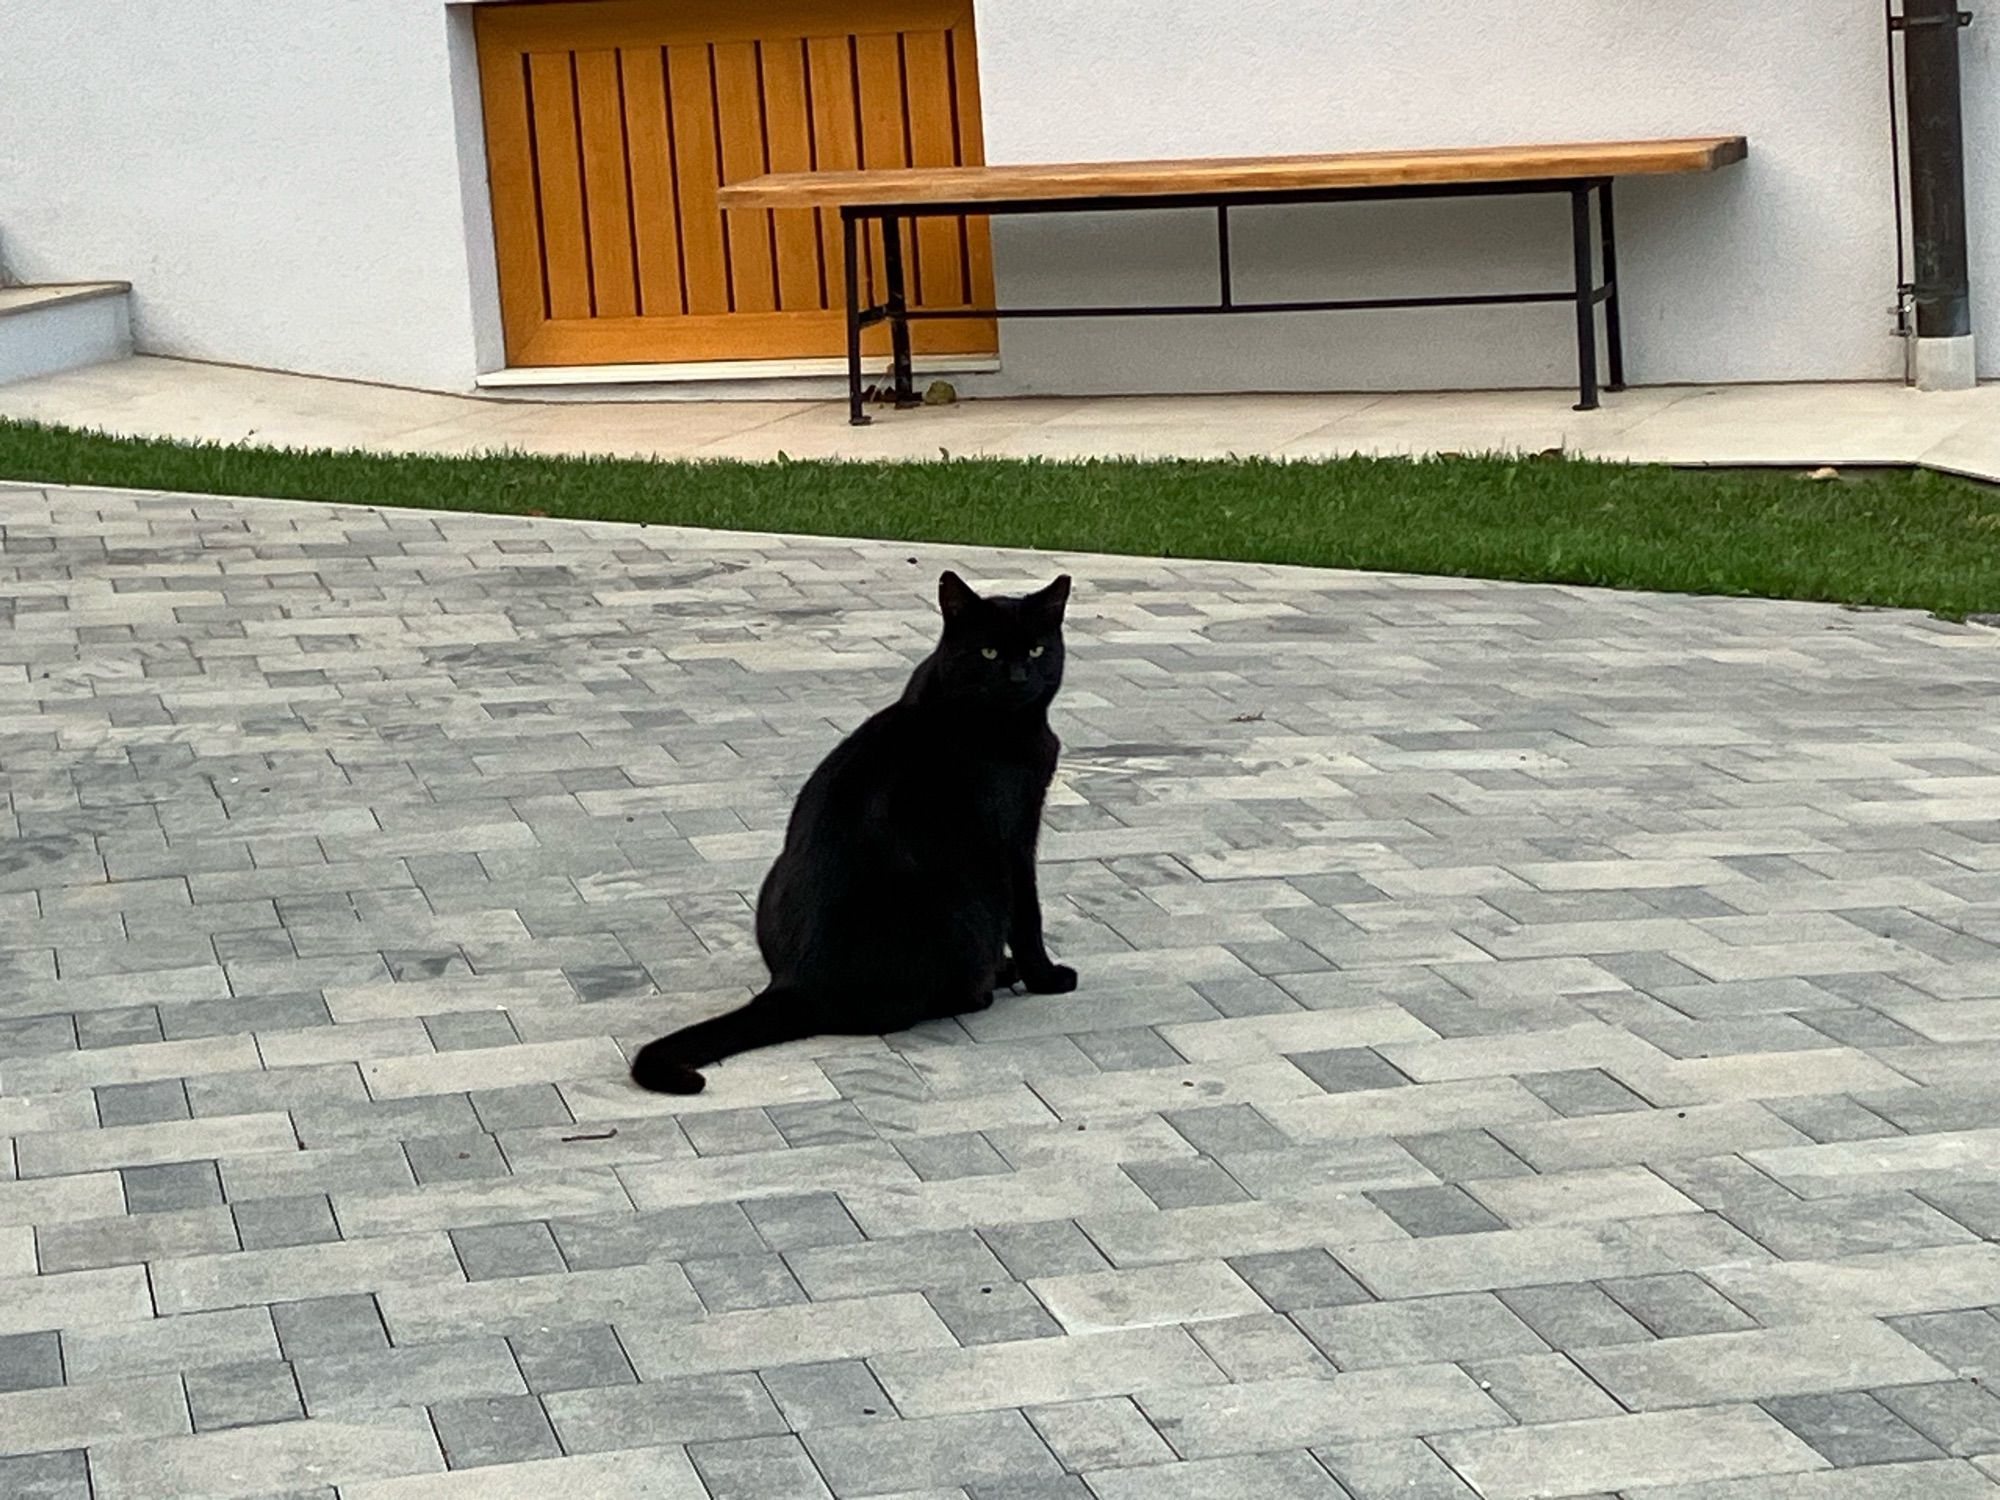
(1736, 424)
(1532, 1042)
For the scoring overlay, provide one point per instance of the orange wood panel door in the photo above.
(611, 123)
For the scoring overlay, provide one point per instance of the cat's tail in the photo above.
(669, 1065)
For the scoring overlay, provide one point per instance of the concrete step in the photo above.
(47, 329)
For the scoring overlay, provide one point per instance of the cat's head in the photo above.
(1004, 652)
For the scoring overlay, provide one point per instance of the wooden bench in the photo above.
(894, 195)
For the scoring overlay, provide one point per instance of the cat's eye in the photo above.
(1036, 650)
(990, 653)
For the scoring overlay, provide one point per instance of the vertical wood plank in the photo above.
(607, 194)
(565, 235)
(510, 157)
(655, 232)
(788, 147)
(940, 276)
(836, 144)
(878, 72)
(972, 153)
(739, 120)
(693, 114)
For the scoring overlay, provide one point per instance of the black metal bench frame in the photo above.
(1585, 292)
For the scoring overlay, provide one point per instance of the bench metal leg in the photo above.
(1586, 299)
(851, 258)
(899, 313)
(1614, 338)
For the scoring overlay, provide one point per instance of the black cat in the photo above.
(908, 872)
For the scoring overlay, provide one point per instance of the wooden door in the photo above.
(610, 124)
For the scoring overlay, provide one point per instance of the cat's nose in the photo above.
(1017, 672)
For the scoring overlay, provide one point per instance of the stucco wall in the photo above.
(300, 187)
(279, 182)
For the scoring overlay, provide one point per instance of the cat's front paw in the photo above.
(1057, 979)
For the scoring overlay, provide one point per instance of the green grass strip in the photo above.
(1911, 538)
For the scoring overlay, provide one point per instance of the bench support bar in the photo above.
(1595, 278)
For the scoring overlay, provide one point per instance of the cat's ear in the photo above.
(955, 596)
(1050, 601)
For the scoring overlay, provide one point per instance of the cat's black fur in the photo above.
(906, 887)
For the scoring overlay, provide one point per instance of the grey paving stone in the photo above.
(520, 1107)
(1184, 1184)
(1421, 1330)
(469, 1030)
(172, 1186)
(1348, 1069)
(933, 1453)
(142, 1103)
(1574, 1317)
(364, 1380)
(1366, 1405)
(704, 1408)
(30, 1361)
(1541, 1388)
(569, 1359)
(493, 1430)
(1834, 1354)
(992, 1313)
(736, 1282)
(1962, 1416)
(1294, 1476)
(907, 1263)
(1832, 1118)
(36, 1036)
(1138, 1047)
(271, 1223)
(1851, 1428)
(1055, 1247)
(124, 1027)
(455, 1158)
(1226, 1129)
(1967, 1342)
(668, 1234)
(1464, 1155)
(824, 1395)
(1061, 1487)
(1427, 1211)
(726, 1132)
(1678, 1304)
(1398, 1469)
(945, 1158)
(1109, 1433)
(1614, 1453)
(803, 1222)
(1859, 1224)
(329, 1325)
(1259, 1346)
(87, 1244)
(61, 1475)
(222, 1396)
(1976, 1205)
(757, 1468)
(824, 1122)
(1582, 1091)
(496, 1250)
(1293, 1279)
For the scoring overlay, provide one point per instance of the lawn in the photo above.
(1907, 538)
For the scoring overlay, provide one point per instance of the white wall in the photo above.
(279, 182)
(300, 187)
(1777, 269)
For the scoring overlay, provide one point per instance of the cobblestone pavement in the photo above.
(1532, 1042)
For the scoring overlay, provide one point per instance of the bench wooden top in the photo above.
(1246, 174)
